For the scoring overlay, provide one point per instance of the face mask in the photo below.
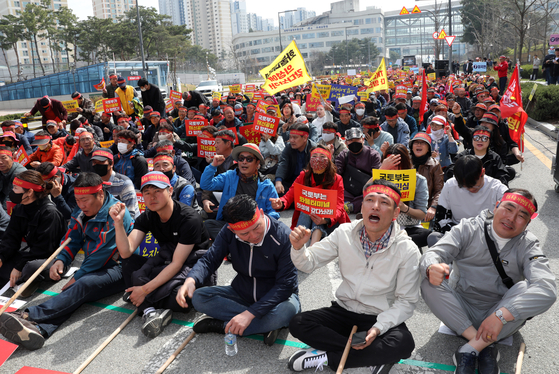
(318, 164)
(15, 198)
(165, 136)
(360, 112)
(122, 147)
(101, 169)
(291, 96)
(169, 174)
(328, 137)
(143, 89)
(355, 147)
(438, 134)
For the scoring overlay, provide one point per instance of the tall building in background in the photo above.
(290, 19)
(180, 11)
(111, 8)
(212, 25)
(256, 23)
(239, 17)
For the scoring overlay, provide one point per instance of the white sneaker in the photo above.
(308, 358)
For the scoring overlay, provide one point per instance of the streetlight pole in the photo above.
(279, 24)
(141, 42)
(450, 34)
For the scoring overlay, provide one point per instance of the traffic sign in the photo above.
(449, 40)
(442, 34)
(404, 11)
(416, 9)
(436, 35)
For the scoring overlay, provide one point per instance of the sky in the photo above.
(265, 9)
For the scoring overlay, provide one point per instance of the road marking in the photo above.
(543, 158)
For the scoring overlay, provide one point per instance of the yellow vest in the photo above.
(125, 97)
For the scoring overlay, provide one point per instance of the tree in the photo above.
(33, 17)
(360, 51)
(68, 31)
(12, 30)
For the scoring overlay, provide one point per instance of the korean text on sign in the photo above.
(71, 106)
(111, 105)
(265, 124)
(317, 201)
(404, 179)
(250, 135)
(287, 70)
(194, 127)
(206, 147)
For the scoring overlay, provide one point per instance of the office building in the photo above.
(112, 8)
(180, 11)
(239, 17)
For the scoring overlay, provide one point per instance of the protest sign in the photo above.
(287, 70)
(106, 144)
(404, 179)
(194, 127)
(312, 200)
(99, 106)
(479, 66)
(206, 146)
(216, 96)
(111, 105)
(175, 95)
(250, 134)
(379, 80)
(71, 106)
(338, 91)
(363, 95)
(265, 124)
(250, 87)
(21, 156)
(235, 88)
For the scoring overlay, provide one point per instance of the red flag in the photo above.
(511, 108)
(424, 107)
(101, 85)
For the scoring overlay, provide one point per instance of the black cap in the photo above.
(44, 101)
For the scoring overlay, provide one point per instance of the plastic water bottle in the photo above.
(231, 344)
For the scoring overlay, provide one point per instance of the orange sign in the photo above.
(21, 156)
(265, 124)
(312, 200)
(206, 147)
(111, 105)
(176, 95)
(250, 87)
(404, 11)
(194, 127)
(416, 9)
(250, 135)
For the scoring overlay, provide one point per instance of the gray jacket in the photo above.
(480, 283)
(81, 162)
(403, 131)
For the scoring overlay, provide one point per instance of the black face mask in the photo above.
(355, 147)
(169, 174)
(101, 169)
(15, 198)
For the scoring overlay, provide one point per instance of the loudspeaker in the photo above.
(441, 64)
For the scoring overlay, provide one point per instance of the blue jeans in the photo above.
(306, 221)
(91, 287)
(224, 303)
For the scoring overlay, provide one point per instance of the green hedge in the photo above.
(526, 72)
(8, 117)
(544, 103)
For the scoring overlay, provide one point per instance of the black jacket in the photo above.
(287, 164)
(42, 232)
(196, 99)
(153, 98)
(342, 128)
(493, 165)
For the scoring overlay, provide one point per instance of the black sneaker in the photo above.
(208, 324)
(381, 369)
(488, 360)
(126, 297)
(270, 337)
(308, 358)
(19, 329)
(155, 322)
(465, 362)
(30, 290)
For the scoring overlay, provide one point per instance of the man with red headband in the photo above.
(505, 279)
(109, 90)
(92, 231)
(378, 293)
(85, 108)
(46, 150)
(262, 298)
(8, 127)
(50, 109)
(8, 170)
(152, 283)
(230, 121)
(396, 126)
(345, 122)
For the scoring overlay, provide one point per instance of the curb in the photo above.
(543, 127)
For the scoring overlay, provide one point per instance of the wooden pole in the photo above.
(520, 358)
(346, 351)
(35, 275)
(106, 342)
(175, 354)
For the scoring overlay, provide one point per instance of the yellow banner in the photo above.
(287, 70)
(324, 90)
(250, 95)
(404, 179)
(71, 106)
(235, 88)
(335, 77)
(431, 76)
(216, 96)
(356, 81)
(363, 95)
(99, 106)
(379, 80)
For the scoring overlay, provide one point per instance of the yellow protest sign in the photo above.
(404, 179)
(235, 88)
(71, 106)
(348, 80)
(250, 95)
(363, 95)
(431, 76)
(99, 106)
(356, 81)
(379, 80)
(287, 70)
(406, 68)
(323, 89)
(335, 77)
(363, 72)
(216, 96)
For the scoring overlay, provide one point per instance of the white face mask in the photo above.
(328, 137)
(122, 147)
(360, 112)
(438, 134)
(143, 89)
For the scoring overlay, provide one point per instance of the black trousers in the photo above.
(328, 329)
(419, 236)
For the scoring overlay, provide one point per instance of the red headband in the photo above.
(164, 158)
(87, 190)
(7, 153)
(522, 201)
(402, 111)
(322, 151)
(243, 225)
(106, 154)
(299, 132)
(226, 137)
(168, 148)
(27, 185)
(328, 131)
(41, 137)
(482, 132)
(51, 174)
(383, 190)
(207, 134)
(391, 117)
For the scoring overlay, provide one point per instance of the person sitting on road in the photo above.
(505, 279)
(82, 159)
(36, 220)
(8, 171)
(262, 298)
(20, 139)
(46, 150)
(62, 191)
(183, 190)
(396, 126)
(129, 161)
(442, 140)
(152, 283)
(271, 148)
(345, 123)
(387, 295)
(320, 173)
(92, 230)
(376, 138)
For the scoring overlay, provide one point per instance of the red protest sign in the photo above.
(175, 95)
(312, 103)
(194, 127)
(261, 106)
(312, 200)
(265, 124)
(250, 135)
(168, 105)
(250, 87)
(297, 101)
(258, 95)
(150, 163)
(21, 156)
(206, 146)
(32, 370)
(111, 105)
(10, 207)
(141, 202)
(6, 350)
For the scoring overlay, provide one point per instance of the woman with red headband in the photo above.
(320, 172)
(37, 220)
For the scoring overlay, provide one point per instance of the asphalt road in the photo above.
(131, 352)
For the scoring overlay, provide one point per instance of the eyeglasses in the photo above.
(248, 159)
(86, 140)
(482, 138)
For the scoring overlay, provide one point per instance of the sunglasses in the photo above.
(248, 159)
(482, 138)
